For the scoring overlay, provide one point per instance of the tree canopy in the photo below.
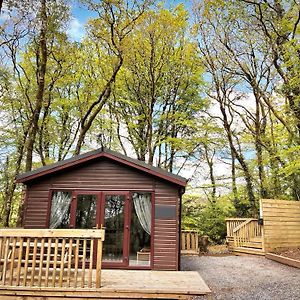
(208, 90)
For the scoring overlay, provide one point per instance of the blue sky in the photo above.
(82, 14)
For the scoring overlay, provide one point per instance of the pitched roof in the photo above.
(103, 152)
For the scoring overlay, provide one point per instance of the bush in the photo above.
(207, 217)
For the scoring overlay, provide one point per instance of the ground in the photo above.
(245, 277)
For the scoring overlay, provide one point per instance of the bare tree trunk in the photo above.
(239, 156)
(41, 65)
(233, 180)
(260, 127)
(91, 114)
(209, 161)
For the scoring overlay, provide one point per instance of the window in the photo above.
(60, 209)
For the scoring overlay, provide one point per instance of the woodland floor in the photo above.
(291, 253)
(245, 277)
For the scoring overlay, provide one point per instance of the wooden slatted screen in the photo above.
(281, 227)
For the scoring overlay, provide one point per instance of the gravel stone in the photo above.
(245, 277)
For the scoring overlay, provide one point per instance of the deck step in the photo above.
(257, 239)
(248, 250)
(256, 245)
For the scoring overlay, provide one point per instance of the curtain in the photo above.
(142, 205)
(60, 209)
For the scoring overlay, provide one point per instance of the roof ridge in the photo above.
(94, 154)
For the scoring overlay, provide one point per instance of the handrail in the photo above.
(236, 219)
(45, 258)
(232, 223)
(246, 231)
(242, 225)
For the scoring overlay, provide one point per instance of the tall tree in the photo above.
(158, 93)
(110, 33)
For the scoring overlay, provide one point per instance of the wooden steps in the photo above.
(244, 236)
(247, 250)
(257, 239)
(252, 244)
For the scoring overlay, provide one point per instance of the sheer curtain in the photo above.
(60, 208)
(142, 205)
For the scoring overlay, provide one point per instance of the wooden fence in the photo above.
(47, 258)
(189, 242)
(281, 224)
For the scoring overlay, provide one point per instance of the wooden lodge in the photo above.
(99, 210)
(139, 205)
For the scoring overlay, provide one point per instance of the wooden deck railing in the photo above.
(189, 242)
(241, 231)
(232, 223)
(47, 258)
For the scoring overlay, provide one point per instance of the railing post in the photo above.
(98, 263)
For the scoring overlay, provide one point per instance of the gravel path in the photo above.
(245, 277)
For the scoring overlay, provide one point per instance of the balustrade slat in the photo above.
(188, 239)
(76, 263)
(48, 262)
(55, 262)
(41, 262)
(19, 261)
(12, 260)
(83, 263)
(183, 245)
(33, 261)
(26, 261)
(91, 263)
(69, 262)
(62, 262)
(5, 260)
(1, 249)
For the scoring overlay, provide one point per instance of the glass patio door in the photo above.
(114, 217)
(109, 210)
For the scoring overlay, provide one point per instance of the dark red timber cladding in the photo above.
(36, 205)
(166, 227)
(97, 175)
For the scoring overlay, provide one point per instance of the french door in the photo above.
(111, 211)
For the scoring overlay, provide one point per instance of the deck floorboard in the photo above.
(118, 284)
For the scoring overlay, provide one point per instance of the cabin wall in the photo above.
(104, 174)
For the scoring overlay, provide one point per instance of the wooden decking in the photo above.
(245, 236)
(66, 263)
(123, 284)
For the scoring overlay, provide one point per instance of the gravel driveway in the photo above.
(245, 277)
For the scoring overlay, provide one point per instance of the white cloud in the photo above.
(75, 30)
